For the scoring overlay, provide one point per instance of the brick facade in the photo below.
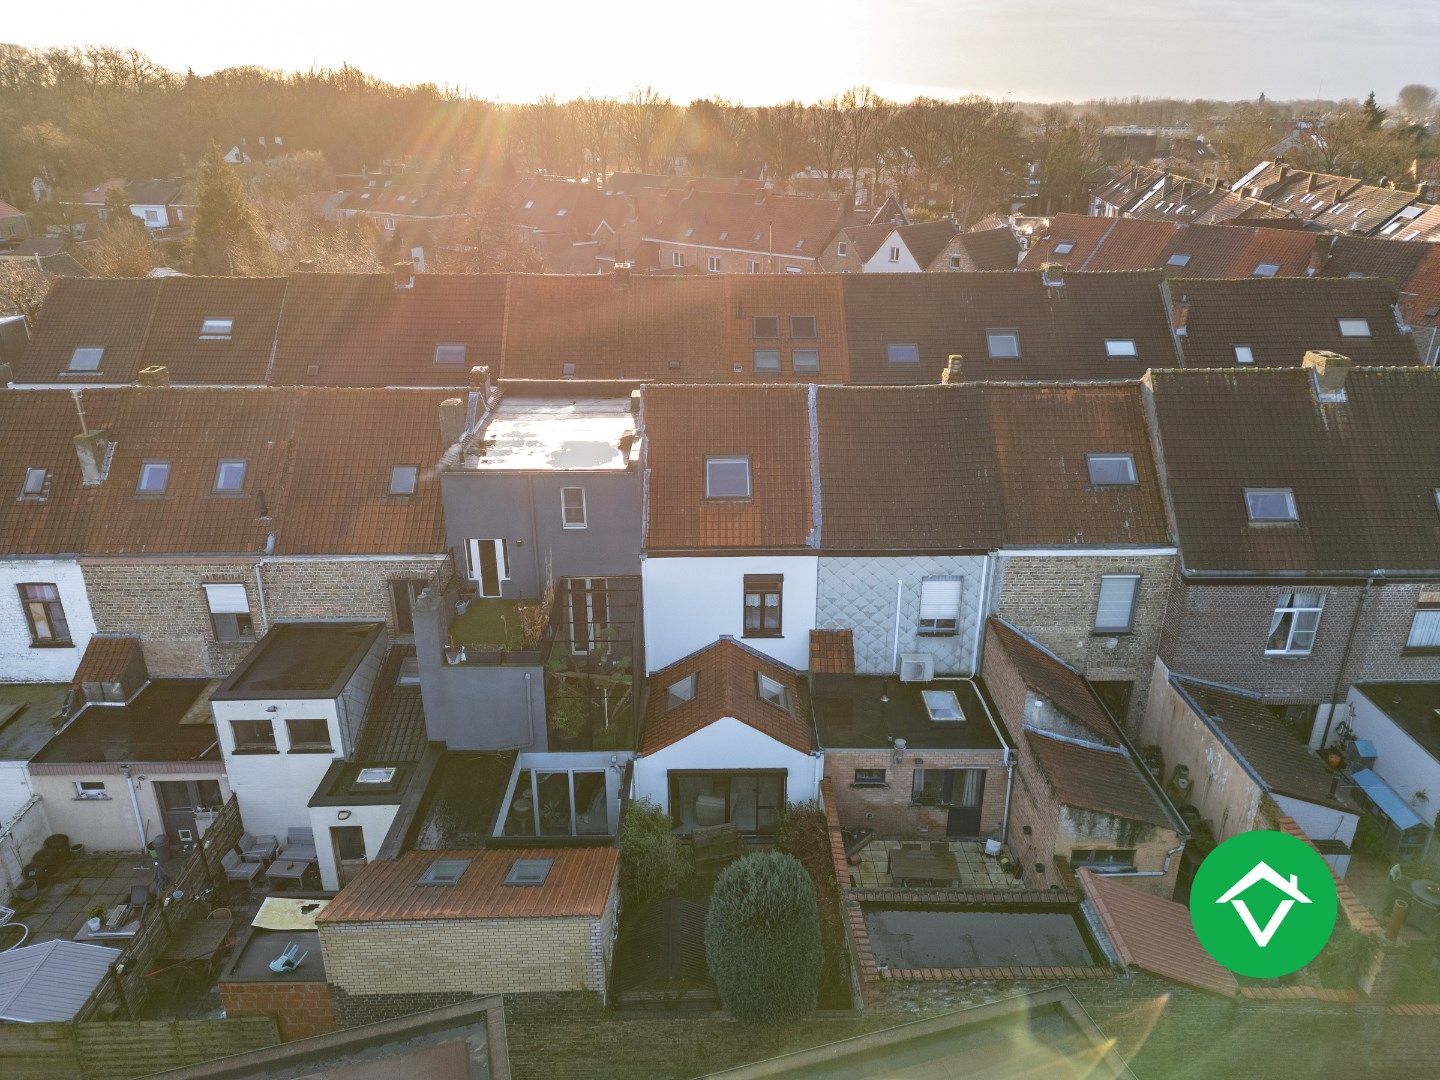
(302, 1009)
(1053, 599)
(889, 810)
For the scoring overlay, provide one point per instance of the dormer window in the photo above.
(1271, 504)
(443, 872)
(1354, 327)
(154, 478)
(450, 354)
(216, 329)
(1003, 344)
(36, 481)
(1112, 470)
(681, 691)
(1121, 349)
(894, 253)
(86, 358)
(1178, 259)
(771, 691)
(765, 327)
(727, 477)
(230, 476)
(1265, 270)
(403, 479)
(1064, 247)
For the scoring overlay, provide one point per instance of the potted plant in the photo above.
(97, 915)
(454, 654)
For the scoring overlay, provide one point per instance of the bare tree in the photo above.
(782, 138)
(864, 114)
(597, 123)
(1417, 102)
(642, 120)
(827, 137)
(23, 288)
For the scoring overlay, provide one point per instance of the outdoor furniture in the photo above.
(258, 848)
(239, 869)
(709, 810)
(1424, 897)
(299, 846)
(290, 959)
(919, 867)
(189, 956)
(715, 843)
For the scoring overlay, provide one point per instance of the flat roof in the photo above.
(25, 712)
(1414, 706)
(463, 797)
(850, 714)
(251, 961)
(166, 721)
(552, 434)
(301, 660)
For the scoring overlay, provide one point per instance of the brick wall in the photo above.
(353, 1010)
(889, 810)
(302, 1009)
(1053, 600)
(1219, 631)
(336, 589)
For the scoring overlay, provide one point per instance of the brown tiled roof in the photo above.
(1096, 778)
(1154, 934)
(1363, 256)
(927, 239)
(1128, 244)
(578, 886)
(1425, 227)
(1062, 330)
(113, 314)
(1363, 471)
(832, 652)
(585, 206)
(1216, 251)
(35, 432)
(725, 686)
(1056, 681)
(185, 303)
(986, 249)
(1281, 319)
(686, 424)
(1258, 734)
(1084, 232)
(786, 295)
(107, 658)
(787, 226)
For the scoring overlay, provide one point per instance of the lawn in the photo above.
(489, 621)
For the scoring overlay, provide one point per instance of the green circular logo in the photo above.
(1263, 904)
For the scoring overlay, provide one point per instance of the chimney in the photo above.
(93, 449)
(622, 274)
(1179, 316)
(7, 376)
(1052, 275)
(1284, 169)
(480, 379)
(954, 367)
(306, 266)
(1328, 371)
(404, 275)
(452, 420)
(155, 375)
(1320, 254)
(635, 402)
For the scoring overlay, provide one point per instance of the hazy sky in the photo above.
(767, 50)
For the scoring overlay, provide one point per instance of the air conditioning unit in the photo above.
(916, 667)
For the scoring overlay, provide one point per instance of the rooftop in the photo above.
(462, 800)
(1414, 706)
(166, 721)
(533, 433)
(301, 660)
(851, 713)
(26, 712)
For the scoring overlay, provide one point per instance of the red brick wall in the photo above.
(302, 1009)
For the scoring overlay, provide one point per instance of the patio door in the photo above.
(748, 800)
(179, 801)
(349, 845)
(965, 793)
(488, 563)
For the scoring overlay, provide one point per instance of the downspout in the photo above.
(1164, 867)
(260, 594)
(1009, 786)
(982, 612)
(895, 655)
(1345, 660)
(135, 806)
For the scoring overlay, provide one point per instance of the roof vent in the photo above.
(155, 375)
(916, 667)
(1328, 372)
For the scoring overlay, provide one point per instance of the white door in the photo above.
(489, 564)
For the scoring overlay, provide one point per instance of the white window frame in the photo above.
(1003, 337)
(1354, 328)
(1179, 259)
(502, 561)
(1424, 627)
(90, 790)
(1121, 349)
(584, 639)
(677, 258)
(1113, 625)
(220, 469)
(219, 328)
(406, 471)
(731, 459)
(80, 358)
(1265, 270)
(1091, 460)
(1251, 505)
(1067, 245)
(29, 487)
(840, 249)
(772, 691)
(713, 264)
(1244, 354)
(752, 266)
(1304, 623)
(939, 610)
(768, 367)
(145, 468)
(681, 691)
(229, 598)
(894, 253)
(566, 522)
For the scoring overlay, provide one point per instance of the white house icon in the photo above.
(1262, 872)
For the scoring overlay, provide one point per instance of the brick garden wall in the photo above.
(302, 1009)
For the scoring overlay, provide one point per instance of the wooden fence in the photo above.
(118, 1051)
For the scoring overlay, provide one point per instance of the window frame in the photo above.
(399, 471)
(1427, 608)
(797, 335)
(1249, 352)
(90, 790)
(1364, 324)
(677, 259)
(712, 263)
(1250, 506)
(933, 626)
(682, 691)
(1265, 270)
(1179, 259)
(220, 469)
(98, 350)
(762, 586)
(51, 609)
(565, 520)
(808, 368)
(1288, 603)
(1092, 460)
(870, 781)
(218, 328)
(1111, 629)
(308, 746)
(1068, 245)
(1002, 333)
(890, 357)
(1121, 349)
(712, 460)
(769, 367)
(441, 346)
(756, 335)
(248, 747)
(773, 692)
(229, 625)
(33, 491)
(145, 466)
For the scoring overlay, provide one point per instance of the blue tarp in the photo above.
(1384, 797)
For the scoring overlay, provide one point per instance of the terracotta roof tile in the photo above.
(725, 686)
(794, 299)
(1060, 684)
(787, 226)
(1097, 778)
(832, 652)
(174, 338)
(578, 886)
(108, 658)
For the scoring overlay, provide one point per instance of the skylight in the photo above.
(35, 480)
(1271, 504)
(403, 479)
(1178, 260)
(680, 691)
(154, 477)
(449, 353)
(86, 358)
(216, 329)
(443, 872)
(529, 871)
(1112, 470)
(1064, 247)
(1244, 354)
(230, 475)
(727, 477)
(375, 775)
(1354, 327)
(1121, 348)
(765, 326)
(902, 354)
(1003, 344)
(772, 692)
(1265, 270)
(943, 706)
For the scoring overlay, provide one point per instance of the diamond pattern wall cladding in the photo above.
(859, 594)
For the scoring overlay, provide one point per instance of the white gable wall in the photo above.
(880, 263)
(727, 745)
(19, 660)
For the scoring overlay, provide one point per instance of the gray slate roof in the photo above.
(50, 981)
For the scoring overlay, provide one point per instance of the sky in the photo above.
(762, 51)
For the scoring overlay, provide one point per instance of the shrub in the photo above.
(801, 830)
(762, 939)
(652, 860)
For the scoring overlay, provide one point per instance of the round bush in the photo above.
(762, 939)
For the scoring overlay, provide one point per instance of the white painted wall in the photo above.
(727, 744)
(163, 222)
(274, 790)
(107, 824)
(1322, 823)
(880, 263)
(690, 601)
(374, 821)
(15, 789)
(19, 660)
(1401, 762)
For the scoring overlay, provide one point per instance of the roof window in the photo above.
(1354, 327)
(1178, 259)
(403, 479)
(443, 872)
(1121, 348)
(681, 691)
(1003, 344)
(450, 353)
(727, 477)
(902, 354)
(1112, 470)
(943, 706)
(1271, 504)
(375, 775)
(216, 329)
(1265, 270)
(1244, 354)
(529, 872)
(230, 475)
(772, 691)
(154, 477)
(86, 358)
(1064, 247)
(765, 326)
(35, 483)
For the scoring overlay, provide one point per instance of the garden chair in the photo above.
(258, 848)
(240, 869)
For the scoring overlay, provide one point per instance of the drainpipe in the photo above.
(1345, 660)
(1009, 785)
(135, 806)
(980, 622)
(1164, 867)
(260, 594)
(899, 595)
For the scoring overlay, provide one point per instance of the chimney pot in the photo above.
(155, 375)
(404, 275)
(93, 450)
(1329, 370)
(1052, 274)
(480, 379)
(452, 420)
(306, 266)
(954, 368)
(634, 402)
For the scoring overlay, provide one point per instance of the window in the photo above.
(403, 594)
(86, 358)
(762, 605)
(727, 477)
(1112, 470)
(1119, 860)
(572, 507)
(1121, 348)
(680, 691)
(869, 778)
(403, 479)
(389, 222)
(1265, 270)
(450, 353)
(90, 789)
(567, 370)
(216, 329)
(1354, 327)
(375, 775)
(253, 736)
(956, 262)
(487, 561)
(35, 483)
(805, 361)
(44, 613)
(529, 871)
(230, 475)
(529, 204)
(1271, 504)
(308, 736)
(841, 248)
(894, 253)
(1244, 354)
(942, 706)
(939, 606)
(1003, 344)
(1292, 629)
(1425, 626)
(767, 361)
(1064, 247)
(771, 691)
(152, 217)
(752, 266)
(1115, 608)
(713, 263)
(443, 872)
(1178, 260)
(154, 477)
(677, 258)
(765, 327)
(229, 612)
(902, 354)
(803, 327)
